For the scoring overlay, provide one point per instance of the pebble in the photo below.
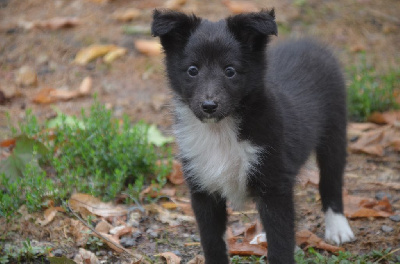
(395, 218)
(387, 229)
(101, 253)
(152, 233)
(58, 253)
(128, 241)
(381, 195)
(177, 252)
(26, 76)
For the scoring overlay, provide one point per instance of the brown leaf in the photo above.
(309, 176)
(243, 247)
(357, 129)
(148, 47)
(153, 192)
(80, 201)
(308, 239)
(170, 257)
(49, 215)
(54, 23)
(174, 4)
(92, 52)
(374, 142)
(86, 257)
(199, 259)
(357, 207)
(114, 54)
(122, 230)
(80, 232)
(176, 176)
(169, 205)
(390, 117)
(126, 15)
(103, 227)
(237, 7)
(111, 245)
(390, 185)
(7, 143)
(86, 86)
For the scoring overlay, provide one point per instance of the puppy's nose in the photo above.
(209, 106)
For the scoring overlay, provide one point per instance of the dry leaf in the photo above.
(103, 227)
(153, 192)
(176, 176)
(81, 201)
(111, 245)
(238, 246)
(169, 205)
(7, 143)
(126, 15)
(308, 176)
(199, 259)
(92, 52)
(174, 4)
(114, 54)
(167, 217)
(357, 129)
(389, 185)
(390, 117)
(80, 232)
(53, 23)
(356, 207)
(170, 257)
(148, 47)
(237, 7)
(49, 215)
(86, 86)
(86, 257)
(308, 239)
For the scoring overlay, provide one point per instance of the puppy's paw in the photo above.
(337, 228)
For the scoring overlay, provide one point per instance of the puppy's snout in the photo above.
(209, 107)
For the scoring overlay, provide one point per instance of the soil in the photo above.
(136, 85)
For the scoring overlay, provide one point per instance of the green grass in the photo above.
(95, 154)
(369, 91)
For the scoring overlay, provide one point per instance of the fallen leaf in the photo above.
(86, 257)
(26, 76)
(358, 207)
(238, 246)
(389, 117)
(169, 205)
(80, 232)
(167, 217)
(22, 155)
(389, 185)
(174, 4)
(153, 191)
(121, 230)
(148, 47)
(7, 143)
(176, 176)
(79, 201)
(50, 95)
(237, 7)
(126, 15)
(357, 129)
(49, 215)
(103, 227)
(308, 239)
(114, 54)
(110, 244)
(53, 23)
(92, 52)
(198, 259)
(308, 176)
(170, 257)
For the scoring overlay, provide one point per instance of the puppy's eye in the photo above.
(193, 71)
(230, 72)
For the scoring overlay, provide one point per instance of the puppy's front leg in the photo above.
(277, 216)
(211, 216)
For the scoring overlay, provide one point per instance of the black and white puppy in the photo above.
(247, 119)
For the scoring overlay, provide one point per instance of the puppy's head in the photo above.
(212, 66)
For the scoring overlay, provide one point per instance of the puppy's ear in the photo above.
(173, 28)
(253, 29)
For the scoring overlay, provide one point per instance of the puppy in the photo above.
(247, 118)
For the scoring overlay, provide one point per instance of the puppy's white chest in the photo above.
(218, 162)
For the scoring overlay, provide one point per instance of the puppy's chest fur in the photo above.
(217, 161)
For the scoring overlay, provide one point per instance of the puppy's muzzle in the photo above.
(209, 106)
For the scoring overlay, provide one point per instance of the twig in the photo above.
(136, 258)
(390, 253)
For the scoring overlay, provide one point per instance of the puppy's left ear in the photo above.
(173, 28)
(253, 29)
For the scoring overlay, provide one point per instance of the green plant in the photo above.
(25, 253)
(369, 92)
(94, 243)
(95, 154)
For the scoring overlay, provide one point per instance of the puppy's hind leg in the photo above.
(331, 157)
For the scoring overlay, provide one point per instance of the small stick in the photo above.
(390, 253)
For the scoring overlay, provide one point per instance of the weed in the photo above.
(97, 155)
(94, 244)
(369, 92)
(24, 253)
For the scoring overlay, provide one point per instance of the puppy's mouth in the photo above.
(209, 120)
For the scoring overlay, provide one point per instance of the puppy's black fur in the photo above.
(285, 102)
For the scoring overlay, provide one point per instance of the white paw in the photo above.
(258, 239)
(337, 229)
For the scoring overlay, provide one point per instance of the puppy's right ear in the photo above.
(173, 28)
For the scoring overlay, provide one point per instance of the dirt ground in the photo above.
(135, 85)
